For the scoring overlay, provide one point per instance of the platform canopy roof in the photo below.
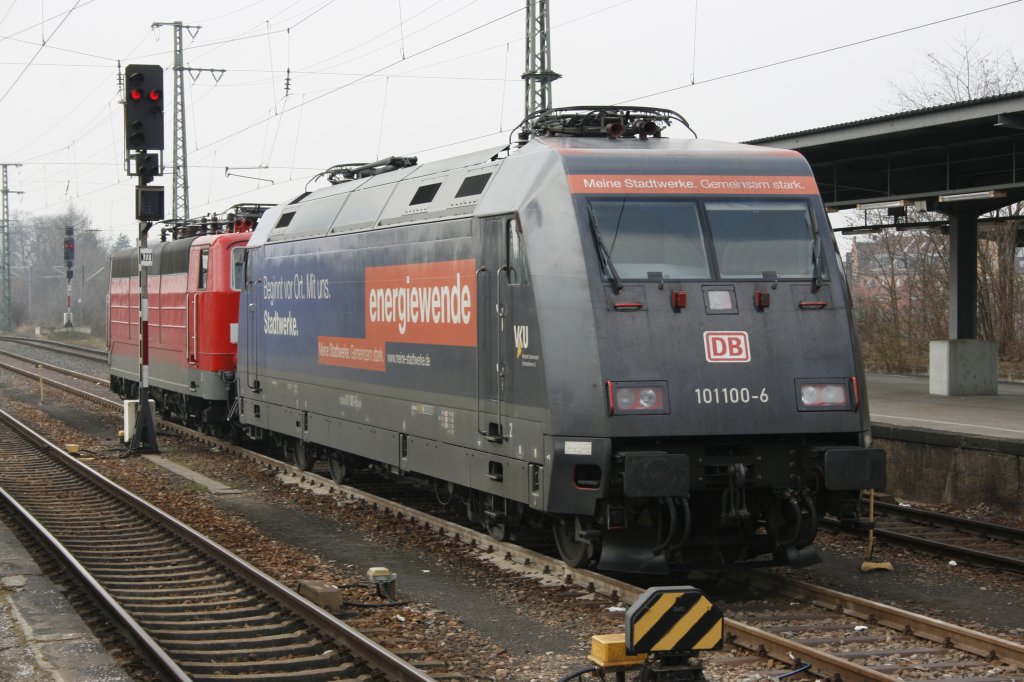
(961, 156)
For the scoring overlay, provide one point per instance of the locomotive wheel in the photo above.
(498, 530)
(303, 455)
(339, 470)
(491, 513)
(236, 436)
(575, 553)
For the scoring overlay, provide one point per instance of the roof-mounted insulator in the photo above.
(344, 172)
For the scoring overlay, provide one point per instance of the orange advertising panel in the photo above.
(418, 303)
(692, 184)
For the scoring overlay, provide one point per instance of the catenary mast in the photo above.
(538, 74)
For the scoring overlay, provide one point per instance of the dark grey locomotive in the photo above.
(644, 342)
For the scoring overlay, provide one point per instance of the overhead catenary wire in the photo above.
(365, 78)
(305, 100)
(41, 46)
(818, 53)
(270, 57)
(378, 71)
(760, 67)
(42, 22)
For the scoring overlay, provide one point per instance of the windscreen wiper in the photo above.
(602, 251)
(815, 265)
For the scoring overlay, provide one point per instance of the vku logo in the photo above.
(521, 332)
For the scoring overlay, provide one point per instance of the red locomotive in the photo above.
(194, 284)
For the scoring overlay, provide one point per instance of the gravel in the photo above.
(482, 621)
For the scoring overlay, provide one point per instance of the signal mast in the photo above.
(143, 134)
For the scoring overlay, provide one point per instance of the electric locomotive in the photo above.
(645, 343)
(193, 288)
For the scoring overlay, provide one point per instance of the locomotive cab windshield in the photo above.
(664, 240)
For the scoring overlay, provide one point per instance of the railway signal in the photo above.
(144, 107)
(144, 133)
(69, 247)
(147, 166)
(69, 263)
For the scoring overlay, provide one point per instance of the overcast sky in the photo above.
(431, 78)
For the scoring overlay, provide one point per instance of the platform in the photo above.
(904, 401)
(41, 637)
(959, 450)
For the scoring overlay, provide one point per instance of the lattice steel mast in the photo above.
(179, 158)
(6, 317)
(538, 74)
(179, 153)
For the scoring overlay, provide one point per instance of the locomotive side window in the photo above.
(204, 268)
(516, 270)
(425, 194)
(286, 219)
(653, 239)
(756, 239)
(237, 267)
(472, 185)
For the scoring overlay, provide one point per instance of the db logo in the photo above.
(726, 347)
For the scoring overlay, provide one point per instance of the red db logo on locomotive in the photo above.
(726, 347)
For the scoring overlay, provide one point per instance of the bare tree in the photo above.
(965, 72)
(915, 304)
(1001, 289)
(900, 286)
(40, 284)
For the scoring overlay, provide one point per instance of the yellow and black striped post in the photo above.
(673, 620)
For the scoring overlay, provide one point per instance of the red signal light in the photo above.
(135, 94)
(154, 95)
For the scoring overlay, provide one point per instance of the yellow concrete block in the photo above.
(610, 650)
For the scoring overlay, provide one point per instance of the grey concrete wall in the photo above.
(947, 468)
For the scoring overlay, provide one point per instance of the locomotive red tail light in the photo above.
(632, 397)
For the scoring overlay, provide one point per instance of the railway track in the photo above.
(978, 542)
(195, 610)
(985, 544)
(948, 536)
(796, 624)
(59, 347)
(851, 638)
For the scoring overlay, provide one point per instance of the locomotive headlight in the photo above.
(625, 398)
(637, 397)
(824, 395)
